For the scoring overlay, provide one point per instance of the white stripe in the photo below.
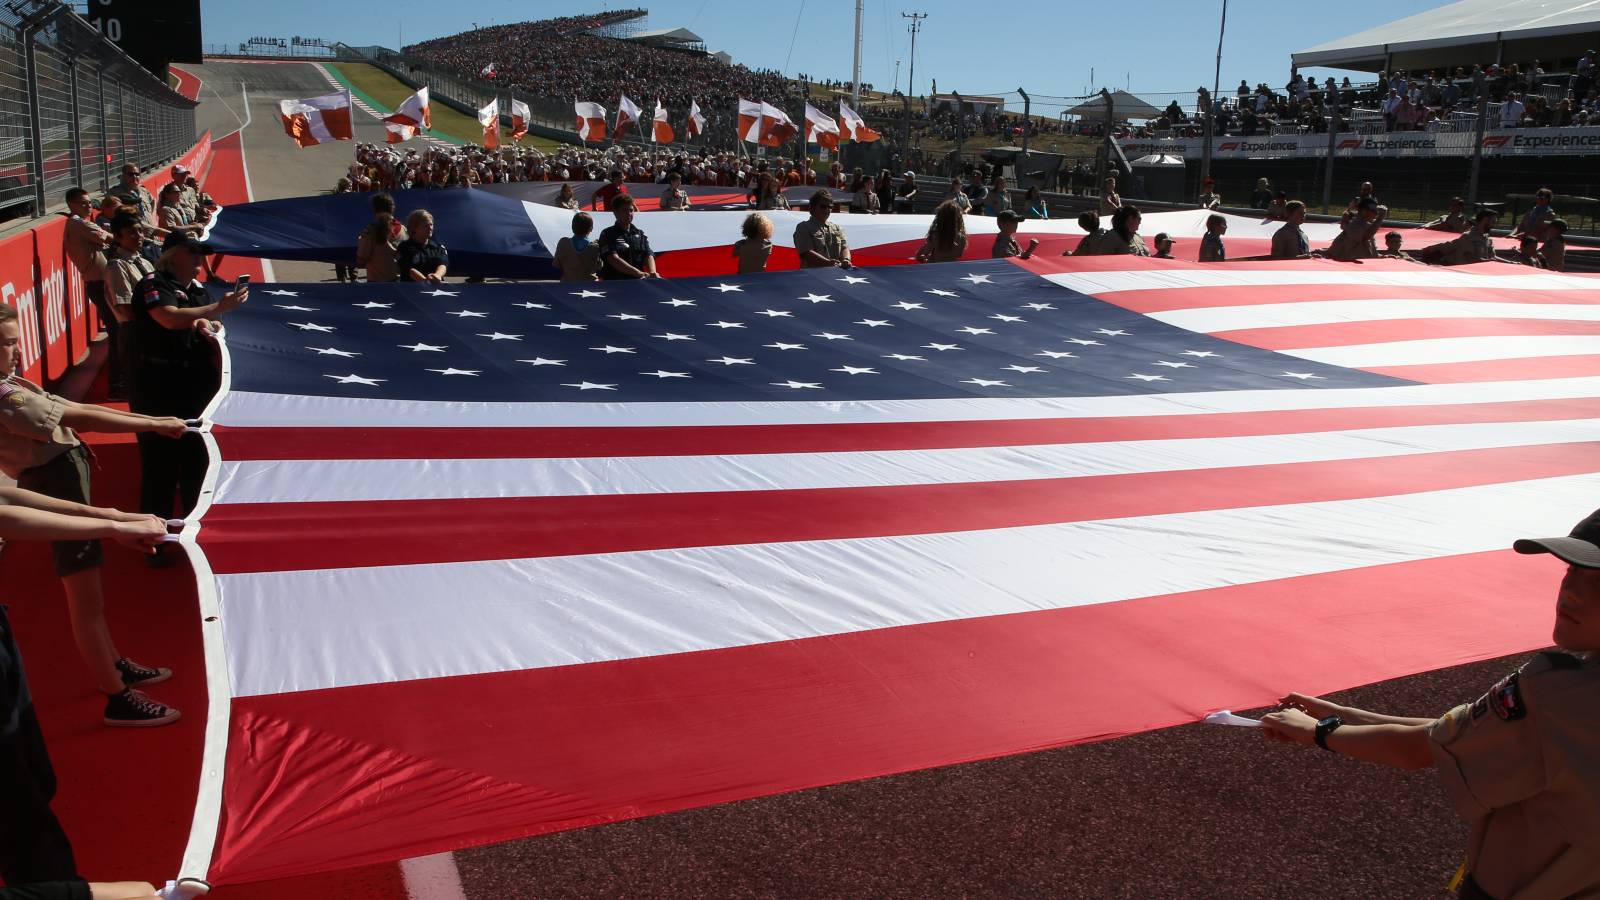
(1231, 276)
(433, 877)
(319, 128)
(291, 631)
(1451, 350)
(299, 481)
(1209, 320)
(243, 409)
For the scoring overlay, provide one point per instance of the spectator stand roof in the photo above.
(1124, 106)
(671, 39)
(1465, 33)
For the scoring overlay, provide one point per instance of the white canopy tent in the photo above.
(1124, 106)
(1466, 32)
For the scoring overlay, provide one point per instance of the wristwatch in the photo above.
(1326, 727)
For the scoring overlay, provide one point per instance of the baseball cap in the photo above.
(1580, 548)
(180, 170)
(186, 240)
(1008, 215)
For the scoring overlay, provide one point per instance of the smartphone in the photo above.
(243, 282)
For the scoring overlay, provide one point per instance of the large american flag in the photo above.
(484, 561)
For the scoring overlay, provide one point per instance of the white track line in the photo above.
(433, 877)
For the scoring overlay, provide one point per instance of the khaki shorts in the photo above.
(66, 478)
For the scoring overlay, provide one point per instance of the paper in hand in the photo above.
(1226, 717)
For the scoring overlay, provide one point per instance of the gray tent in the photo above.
(1125, 106)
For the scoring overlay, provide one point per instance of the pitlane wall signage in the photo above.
(1581, 141)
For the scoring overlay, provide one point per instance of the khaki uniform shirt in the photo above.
(1473, 246)
(1109, 243)
(826, 238)
(678, 199)
(1289, 242)
(31, 433)
(171, 217)
(1522, 766)
(86, 248)
(1356, 240)
(752, 254)
(124, 273)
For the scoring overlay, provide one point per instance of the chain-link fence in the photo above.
(74, 108)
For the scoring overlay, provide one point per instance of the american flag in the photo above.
(495, 560)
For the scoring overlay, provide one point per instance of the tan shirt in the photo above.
(124, 273)
(1288, 241)
(678, 199)
(1109, 243)
(576, 265)
(1522, 766)
(825, 238)
(31, 433)
(1471, 247)
(85, 243)
(378, 257)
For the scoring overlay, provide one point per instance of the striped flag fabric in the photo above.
(489, 118)
(591, 120)
(520, 116)
(697, 119)
(485, 561)
(627, 115)
(661, 130)
(318, 120)
(821, 129)
(411, 117)
(855, 127)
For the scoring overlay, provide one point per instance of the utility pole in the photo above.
(911, 78)
(855, 71)
(1211, 108)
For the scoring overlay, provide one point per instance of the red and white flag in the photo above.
(627, 116)
(697, 120)
(662, 132)
(821, 129)
(318, 120)
(591, 120)
(749, 121)
(487, 71)
(520, 114)
(855, 128)
(412, 116)
(489, 118)
(776, 126)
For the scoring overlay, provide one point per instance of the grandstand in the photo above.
(1467, 33)
(681, 39)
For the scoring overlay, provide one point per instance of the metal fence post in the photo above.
(1333, 139)
(77, 133)
(35, 129)
(1480, 87)
(105, 136)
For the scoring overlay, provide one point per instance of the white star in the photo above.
(455, 371)
(782, 346)
(942, 346)
(1023, 369)
(608, 349)
(529, 304)
(468, 314)
(856, 370)
(874, 323)
(1005, 318)
(733, 361)
(1083, 341)
(541, 361)
(905, 358)
(1036, 307)
(498, 336)
(676, 302)
(289, 294)
(588, 293)
(567, 326)
(393, 321)
(724, 288)
(661, 374)
(1139, 377)
(834, 337)
(1303, 376)
(851, 279)
(311, 326)
(421, 347)
(332, 351)
(977, 279)
(1175, 365)
(1200, 353)
(1055, 354)
(371, 304)
(669, 336)
(796, 385)
(625, 317)
(1109, 332)
(938, 293)
(908, 306)
(356, 379)
(295, 308)
(724, 324)
(817, 298)
(975, 331)
(983, 382)
(775, 313)
(440, 292)
(591, 386)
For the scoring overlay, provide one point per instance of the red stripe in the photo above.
(1168, 299)
(262, 537)
(239, 444)
(1344, 334)
(1498, 369)
(313, 775)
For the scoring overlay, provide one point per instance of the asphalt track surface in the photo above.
(1195, 811)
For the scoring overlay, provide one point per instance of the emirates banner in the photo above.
(1581, 141)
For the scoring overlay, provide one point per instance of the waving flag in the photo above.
(412, 116)
(776, 126)
(487, 71)
(317, 120)
(855, 127)
(520, 115)
(627, 116)
(821, 129)
(591, 121)
(626, 548)
(661, 133)
(489, 118)
(697, 120)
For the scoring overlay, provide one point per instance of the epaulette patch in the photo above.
(1506, 699)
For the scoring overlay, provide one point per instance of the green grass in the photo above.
(384, 93)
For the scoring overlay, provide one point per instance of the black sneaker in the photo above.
(132, 709)
(134, 674)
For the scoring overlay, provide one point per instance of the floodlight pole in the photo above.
(1211, 107)
(855, 71)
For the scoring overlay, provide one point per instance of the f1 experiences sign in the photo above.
(1529, 142)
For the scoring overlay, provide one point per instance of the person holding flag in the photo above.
(489, 118)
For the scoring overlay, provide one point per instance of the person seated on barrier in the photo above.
(625, 250)
(419, 257)
(1455, 220)
(577, 256)
(947, 236)
(755, 248)
(1471, 247)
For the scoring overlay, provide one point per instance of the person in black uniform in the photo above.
(420, 257)
(176, 370)
(624, 249)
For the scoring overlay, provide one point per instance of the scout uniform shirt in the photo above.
(825, 238)
(1522, 766)
(1473, 246)
(1289, 242)
(31, 433)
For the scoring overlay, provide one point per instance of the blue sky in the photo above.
(1157, 46)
